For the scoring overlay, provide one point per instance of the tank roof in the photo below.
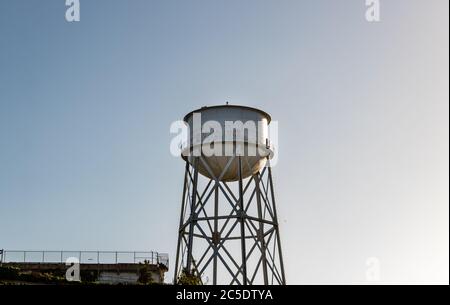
(269, 118)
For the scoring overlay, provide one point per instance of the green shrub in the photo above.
(145, 275)
(189, 278)
(9, 273)
(12, 273)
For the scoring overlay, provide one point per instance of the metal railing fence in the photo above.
(84, 257)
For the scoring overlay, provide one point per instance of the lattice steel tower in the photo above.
(228, 231)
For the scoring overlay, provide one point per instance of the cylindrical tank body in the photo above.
(224, 132)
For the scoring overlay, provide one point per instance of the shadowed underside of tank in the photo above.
(226, 168)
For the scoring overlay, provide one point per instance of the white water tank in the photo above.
(249, 136)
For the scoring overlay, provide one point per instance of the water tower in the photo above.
(228, 231)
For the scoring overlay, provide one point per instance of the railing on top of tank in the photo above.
(84, 257)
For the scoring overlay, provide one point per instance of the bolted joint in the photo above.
(194, 218)
(260, 235)
(241, 214)
(216, 238)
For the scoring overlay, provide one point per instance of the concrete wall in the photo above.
(107, 273)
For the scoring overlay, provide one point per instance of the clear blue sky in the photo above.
(85, 110)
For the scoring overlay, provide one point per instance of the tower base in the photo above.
(228, 231)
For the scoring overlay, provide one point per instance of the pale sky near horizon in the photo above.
(363, 113)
